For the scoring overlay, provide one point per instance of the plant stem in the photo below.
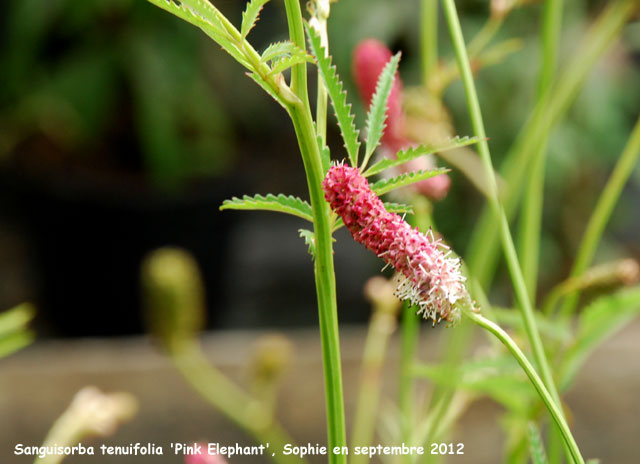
(323, 264)
(428, 38)
(322, 15)
(410, 333)
(524, 301)
(549, 402)
(222, 394)
(602, 213)
(382, 325)
(548, 112)
(531, 216)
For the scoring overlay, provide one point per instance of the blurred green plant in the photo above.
(110, 85)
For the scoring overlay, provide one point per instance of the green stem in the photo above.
(323, 264)
(537, 383)
(484, 36)
(602, 213)
(428, 38)
(249, 413)
(531, 216)
(382, 325)
(524, 301)
(548, 112)
(322, 96)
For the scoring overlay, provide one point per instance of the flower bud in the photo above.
(174, 295)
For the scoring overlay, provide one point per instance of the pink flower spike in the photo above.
(204, 457)
(431, 279)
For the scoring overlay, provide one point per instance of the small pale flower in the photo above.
(431, 278)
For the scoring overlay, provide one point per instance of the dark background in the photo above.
(123, 129)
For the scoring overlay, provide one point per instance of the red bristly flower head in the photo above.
(431, 279)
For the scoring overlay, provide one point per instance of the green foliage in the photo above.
(14, 333)
(499, 378)
(536, 446)
(250, 16)
(597, 322)
(387, 185)
(551, 329)
(310, 239)
(337, 96)
(377, 114)
(204, 15)
(283, 55)
(280, 203)
(412, 153)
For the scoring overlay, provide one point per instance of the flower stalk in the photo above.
(323, 264)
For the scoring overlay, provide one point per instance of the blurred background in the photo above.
(122, 129)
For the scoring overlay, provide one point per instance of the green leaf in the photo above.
(337, 96)
(536, 446)
(281, 203)
(500, 378)
(597, 322)
(278, 50)
(250, 16)
(387, 185)
(204, 15)
(283, 55)
(16, 319)
(412, 153)
(14, 332)
(377, 114)
(398, 208)
(285, 63)
(310, 239)
(552, 329)
(14, 342)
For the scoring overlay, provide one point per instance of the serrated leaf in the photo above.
(387, 185)
(310, 239)
(283, 55)
(377, 114)
(281, 203)
(280, 49)
(412, 153)
(205, 16)
(398, 208)
(337, 96)
(285, 63)
(250, 16)
(597, 322)
(267, 88)
(536, 446)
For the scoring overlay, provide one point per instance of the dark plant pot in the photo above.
(88, 236)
